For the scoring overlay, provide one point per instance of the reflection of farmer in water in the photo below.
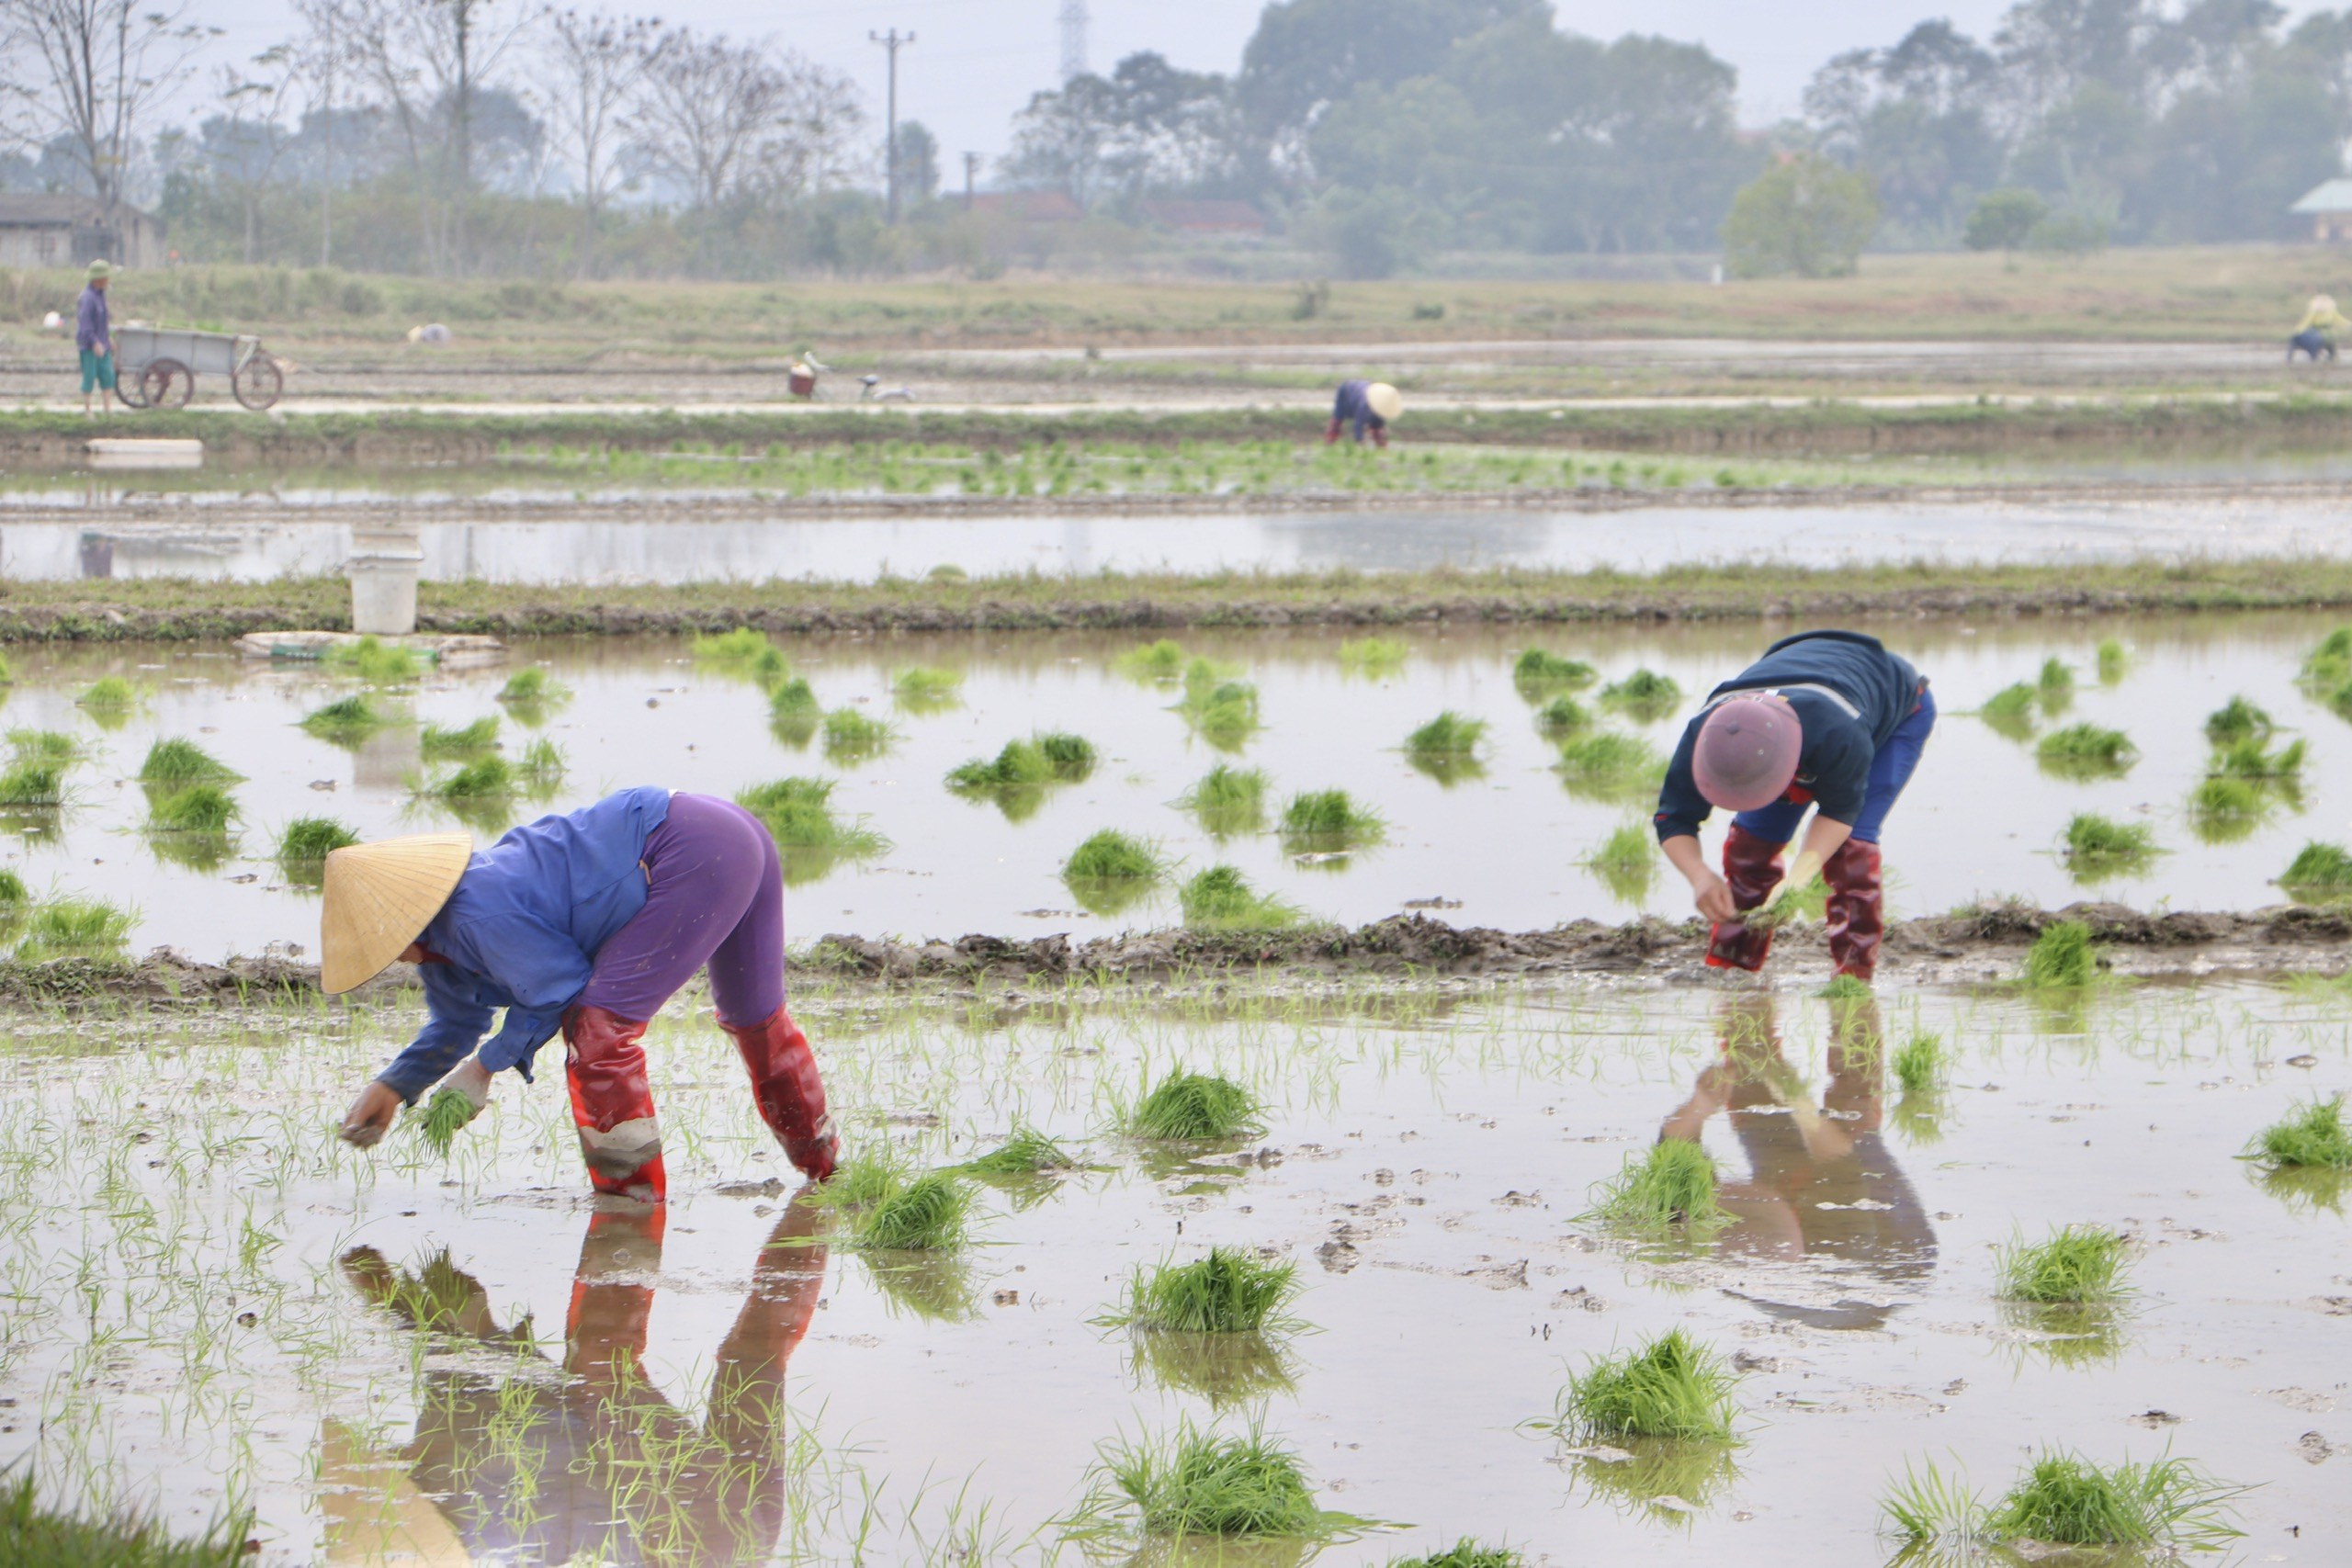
(590, 1462)
(1823, 1186)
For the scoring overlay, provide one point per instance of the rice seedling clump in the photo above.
(2224, 810)
(34, 785)
(177, 760)
(1161, 661)
(851, 735)
(1110, 856)
(1330, 818)
(346, 718)
(930, 1213)
(1921, 1063)
(1231, 1291)
(1372, 654)
(2076, 1264)
(2113, 661)
(2313, 1137)
(2062, 955)
(74, 926)
(2329, 665)
(1025, 1152)
(734, 646)
(1464, 1553)
(2068, 1500)
(926, 688)
(13, 893)
(1673, 1184)
(1539, 673)
(482, 779)
(1645, 695)
(533, 686)
(2054, 676)
(2085, 750)
(44, 746)
(1671, 1387)
(2236, 720)
(1199, 1484)
(375, 661)
(1562, 715)
(1220, 898)
(794, 696)
(2009, 711)
(200, 809)
(441, 740)
(1055, 757)
(2250, 759)
(108, 696)
(2099, 846)
(443, 1116)
(1196, 1106)
(1626, 860)
(541, 769)
(1229, 800)
(33, 1536)
(798, 813)
(1222, 712)
(1609, 765)
(306, 842)
(2319, 871)
(1450, 734)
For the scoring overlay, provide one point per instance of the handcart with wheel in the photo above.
(156, 368)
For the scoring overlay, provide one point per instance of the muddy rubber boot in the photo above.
(1857, 913)
(791, 1095)
(612, 1105)
(1752, 870)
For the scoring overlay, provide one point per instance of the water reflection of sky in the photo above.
(599, 547)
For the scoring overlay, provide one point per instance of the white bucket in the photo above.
(383, 592)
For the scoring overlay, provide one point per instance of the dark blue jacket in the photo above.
(521, 932)
(1834, 765)
(1352, 405)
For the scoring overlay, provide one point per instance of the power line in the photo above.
(1073, 19)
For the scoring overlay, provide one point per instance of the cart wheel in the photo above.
(128, 389)
(257, 382)
(166, 384)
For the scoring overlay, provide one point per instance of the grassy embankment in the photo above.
(160, 608)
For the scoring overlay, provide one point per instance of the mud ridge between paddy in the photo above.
(1966, 947)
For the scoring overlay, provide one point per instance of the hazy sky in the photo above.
(975, 62)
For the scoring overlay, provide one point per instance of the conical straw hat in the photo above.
(378, 896)
(1386, 401)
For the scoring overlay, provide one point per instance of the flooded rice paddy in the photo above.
(1502, 839)
(395, 1357)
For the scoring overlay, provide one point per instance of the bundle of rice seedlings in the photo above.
(2009, 711)
(484, 778)
(13, 893)
(798, 813)
(1161, 661)
(444, 1115)
(31, 1535)
(1921, 1063)
(32, 785)
(1645, 696)
(1110, 856)
(2250, 759)
(534, 687)
(1673, 1184)
(2319, 871)
(177, 760)
(2313, 1138)
(438, 741)
(1464, 1553)
(2098, 846)
(2054, 686)
(1196, 1106)
(927, 688)
(2076, 1264)
(109, 701)
(2236, 720)
(73, 927)
(1231, 1291)
(1228, 800)
(2062, 955)
(1930, 1508)
(1537, 673)
(347, 719)
(541, 769)
(2085, 752)
(1223, 712)
(2329, 665)
(1220, 898)
(852, 737)
(735, 645)
(375, 661)
(45, 746)
(794, 713)
(1671, 1387)
(2066, 1499)
(304, 844)
(1025, 1152)
(2226, 810)
(1329, 819)
(1200, 1483)
(1562, 715)
(2114, 662)
(1607, 766)
(931, 1213)
(198, 808)
(1047, 758)
(1450, 734)
(1372, 654)
(1626, 862)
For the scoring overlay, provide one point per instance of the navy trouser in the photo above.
(1890, 771)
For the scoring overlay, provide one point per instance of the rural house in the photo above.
(43, 231)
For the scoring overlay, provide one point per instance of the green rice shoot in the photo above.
(1608, 764)
(13, 893)
(2237, 720)
(1228, 801)
(2114, 661)
(2010, 711)
(2085, 751)
(735, 645)
(931, 1213)
(2054, 678)
(1466, 1552)
(1222, 712)
(1671, 1387)
(485, 778)
(1449, 735)
(2100, 846)
(1538, 674)
(1921, 1063)
(792, 698)
(1110, 856)
(1562, 715)
(1197, 1107)
(1221, 898)
(2066, 1499)
(1626, 860)
(1024, 1152)
(1928, 1507)
(1230, 1291)
(1672, 1184)
(1055, 757)
(2062, 956)
(1373, 656)
(31, 1535)
(376, 661)
(74, 928)
(2076, 1264)
(444, 1115)
(441, 741)
(851, 735)
(45, 746)
(2319, 871)
(798, 813)
(1161, 660)
(346, 718)
(1644, 695)
(33, 786)
(2251, 759)
(1329, 819)
(175, 760)
(109, 693)
(927, 688)
(2329, 665)
(2313, 1138)
(198, 808)
(532, 687)
(1203, 1484)
(306, 841)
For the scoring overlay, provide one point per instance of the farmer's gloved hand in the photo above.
(1714, 899)
(1331, 433)
(371, 1115)
(1380, 436)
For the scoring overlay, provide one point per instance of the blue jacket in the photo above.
(1353, 406)
(1834, 764)
(521, 932)
(91, 329)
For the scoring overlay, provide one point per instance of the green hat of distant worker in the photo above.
(1386, 401)
(101, 269)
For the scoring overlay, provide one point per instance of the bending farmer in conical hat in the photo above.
(1366, 405)
(585, 923)
(1825, 720)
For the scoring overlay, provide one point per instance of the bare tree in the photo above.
(246, 144)
(729, 121)
(323, 56)
(100, 68)
(594, 64)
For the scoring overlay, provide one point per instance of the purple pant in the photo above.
(714, 895)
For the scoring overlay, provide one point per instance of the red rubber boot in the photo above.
(1752, 869)
(791, 1095)
(1857, 912)
(612, 1105)
(1331, 433)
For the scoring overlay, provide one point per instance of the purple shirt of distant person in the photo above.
(92, 332)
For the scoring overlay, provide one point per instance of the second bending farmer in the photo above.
(1365, 406)
(585, 923)
(1827, 719)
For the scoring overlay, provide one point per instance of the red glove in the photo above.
(1380, 436)
(1332, 434)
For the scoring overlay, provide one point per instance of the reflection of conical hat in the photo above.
(378, 896)
(1386, 401)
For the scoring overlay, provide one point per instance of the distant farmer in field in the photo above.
(94, 335)
(1827, 719)
(2315, 334)
(585, 923)
(1368, 406)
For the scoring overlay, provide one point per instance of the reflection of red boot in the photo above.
(1857, 914)
(612, 1106)
(1752, 869)
(790, 1093)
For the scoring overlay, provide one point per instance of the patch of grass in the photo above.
(441, 741)
(2098, 847)
(1645, 696)
(177, 760)
(1562, 715)
(1228, 801)
(1671, 1387)
(484, 778)
(1921, 1063)
(73, 927)
(1220, 898)
(1161, 661)
(442, 1117)
(1327, 819)
(852, 737)
(931, 1212)
(347, 719)
(1609, 766)
(1230, 1291)
(2009, 711)
(2319, 872)
(1538, 674)
(374, 661)
(1450, 734)
(200, 809)
(1672, 1184)
(2066, 1499)
(1201, 1483)
(2062, 955)
(34, 785)
(2114, 661)
(2313, 1138)
(927, 688)
(2076, 1264)
(35, 1537)
(1196, 1106)
(1626, 862)
(2250, 759)
(2085, 752)
(2237, 720)
(1372, 654)
(1464, 1553)
(1025, 1152)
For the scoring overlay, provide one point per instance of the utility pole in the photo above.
(891, 43)
(1073, 19)
(971, 171)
